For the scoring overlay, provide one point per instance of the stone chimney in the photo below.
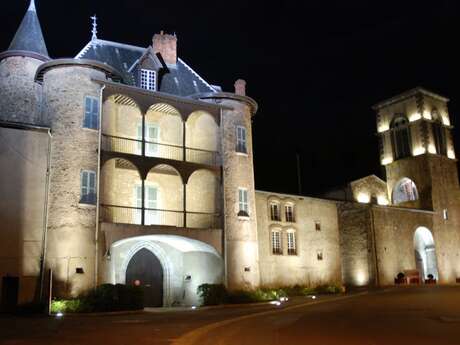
(166, 45)
(240, 87)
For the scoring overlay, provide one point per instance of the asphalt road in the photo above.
(423, 315)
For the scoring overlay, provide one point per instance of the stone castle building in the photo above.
(123, 165)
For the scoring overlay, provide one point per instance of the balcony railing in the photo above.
(133, 215)
(160, 150)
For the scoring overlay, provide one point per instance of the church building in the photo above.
(123, 165)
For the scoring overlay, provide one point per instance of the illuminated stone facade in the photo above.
(125, 150)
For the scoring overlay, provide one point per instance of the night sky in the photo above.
(314, 67)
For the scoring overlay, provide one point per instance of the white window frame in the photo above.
(290, 216)
(91, 113)
(148, 79)
(151, 143)
(151, 214)
(275, 215)
(87, 190)
(241, 139)
(291, 242)
(243, 200)
(276, 242)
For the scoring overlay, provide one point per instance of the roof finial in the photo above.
(32, 6)
(94, 31)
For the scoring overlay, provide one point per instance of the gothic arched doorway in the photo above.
(425, 254)
(145, 269)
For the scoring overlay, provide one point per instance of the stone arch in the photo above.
(164, 126)
(404, 190)
(187, 263)
(118, 180)
(425, 253)
(121, 118)
(202, 134)
(164, 193)
(203, 199)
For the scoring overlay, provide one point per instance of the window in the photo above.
(151, 139)
(318, 225)
(291, 243)
(151, 215)
(277, 249)
(445, 214)
(241, 139)
(400, 137)
(319, 255)
(439, 133)
(289, 212)
(148, 79)
(275, 211)
(88, 187)
(91, 113)
(404, 190)
(243, 205)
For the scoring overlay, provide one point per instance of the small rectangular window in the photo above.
(289, 213)
(318, 226)
(276, 243)
(275, 212)
(243, 205)
(88, 187)
(291, 243)
(91, 113)
(319, 255)
(241, 140)
(148, 79)
(445, 214)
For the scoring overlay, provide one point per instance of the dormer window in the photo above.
(148, 79)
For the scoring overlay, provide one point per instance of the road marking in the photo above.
(192, 337)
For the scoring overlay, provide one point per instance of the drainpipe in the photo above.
(45, 218)
(98, 177)
(224, 208)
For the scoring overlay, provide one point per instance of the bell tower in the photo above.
(417, 151)
(416, 148)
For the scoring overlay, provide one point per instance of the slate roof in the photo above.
(181, 80)
(29, 36)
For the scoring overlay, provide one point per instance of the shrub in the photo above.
(213, 294)
(104, 298)
(328, 289)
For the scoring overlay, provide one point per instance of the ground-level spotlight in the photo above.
(313, 297)
(284, 299)
(193, 307)
(277, 303)
(59, 314)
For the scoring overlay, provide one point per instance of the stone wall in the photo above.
(242, 257)
(20, 96)
(72, 224)
(316, 229)
(24, 162)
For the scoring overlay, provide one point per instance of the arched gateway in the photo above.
(145, 270)
(169, 268)
(425, 253)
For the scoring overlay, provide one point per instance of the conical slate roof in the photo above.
(29, 36)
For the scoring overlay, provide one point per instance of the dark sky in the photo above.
(315, 67)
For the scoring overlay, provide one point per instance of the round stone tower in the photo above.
(20, 96)
(240, 221)
(70, 96)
